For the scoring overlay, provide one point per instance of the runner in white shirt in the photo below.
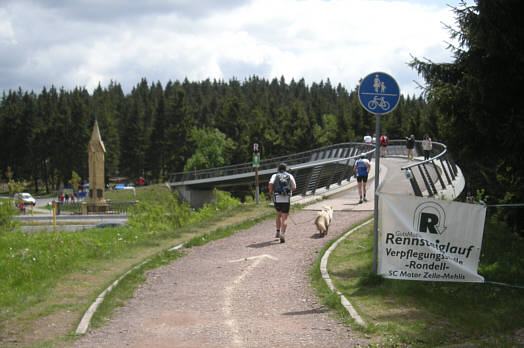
(281, 187)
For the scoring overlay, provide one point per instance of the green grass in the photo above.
(32, 264)
(149, 194)
(416, 313)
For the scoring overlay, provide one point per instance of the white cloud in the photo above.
(6, 29)
(84, 43)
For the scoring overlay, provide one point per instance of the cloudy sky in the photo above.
(81, 43)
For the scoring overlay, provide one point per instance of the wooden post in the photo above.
(257, 189)
(54, 216)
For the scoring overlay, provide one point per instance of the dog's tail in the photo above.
(320, 223)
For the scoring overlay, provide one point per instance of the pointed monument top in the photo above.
(96, 143)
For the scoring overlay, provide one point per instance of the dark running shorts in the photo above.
(362, 178)
(282, 207)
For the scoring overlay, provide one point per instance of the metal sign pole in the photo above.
(375, 213)
(379, 94)
(256, 164)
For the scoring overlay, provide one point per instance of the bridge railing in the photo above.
(328, 153)
(329, 165)
(427, 177)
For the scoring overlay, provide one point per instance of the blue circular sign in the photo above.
(379, 93)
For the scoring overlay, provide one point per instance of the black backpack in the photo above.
(282, 184)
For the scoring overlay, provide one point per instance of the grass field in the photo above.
(420, 314)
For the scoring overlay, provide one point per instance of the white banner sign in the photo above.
(429, 240)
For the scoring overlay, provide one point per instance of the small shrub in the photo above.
(7, 211)
(224, 200)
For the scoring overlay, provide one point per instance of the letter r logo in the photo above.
(428, 223)
(430, 217)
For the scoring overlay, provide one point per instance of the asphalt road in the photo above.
(65, 222)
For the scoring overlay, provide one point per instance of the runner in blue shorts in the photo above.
(362, 167)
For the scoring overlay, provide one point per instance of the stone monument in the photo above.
(96, 153)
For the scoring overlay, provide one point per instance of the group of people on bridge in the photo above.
(282, 184)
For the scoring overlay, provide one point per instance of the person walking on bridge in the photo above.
(368, 140)
(427, 146)
(361, 168)
(384, 141)
(281, 187)
(410, 145)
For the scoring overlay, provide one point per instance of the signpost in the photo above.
(379, 94)
(256, 163)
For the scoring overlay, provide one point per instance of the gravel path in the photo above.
(247, 290)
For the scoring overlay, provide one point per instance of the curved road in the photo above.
(247, 290)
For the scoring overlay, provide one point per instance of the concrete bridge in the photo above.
(327, 168)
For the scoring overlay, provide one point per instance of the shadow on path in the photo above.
(264, 244)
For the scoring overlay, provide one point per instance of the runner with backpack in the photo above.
(361, 168)
(281, 187)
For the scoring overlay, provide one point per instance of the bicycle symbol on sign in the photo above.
(373, 103)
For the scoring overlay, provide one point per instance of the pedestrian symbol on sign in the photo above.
(377, 84)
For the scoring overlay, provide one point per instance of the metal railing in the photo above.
(438, 171)
(115, 207)
(322, 156)
(326, 166)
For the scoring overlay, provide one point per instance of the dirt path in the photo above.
(247, 290)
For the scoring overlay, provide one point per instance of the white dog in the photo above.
(323, 220)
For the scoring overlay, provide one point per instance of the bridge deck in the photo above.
(346, 197)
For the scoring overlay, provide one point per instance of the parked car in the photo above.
(123, 187)
(24, 198)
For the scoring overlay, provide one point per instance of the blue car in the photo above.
(123, 187)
